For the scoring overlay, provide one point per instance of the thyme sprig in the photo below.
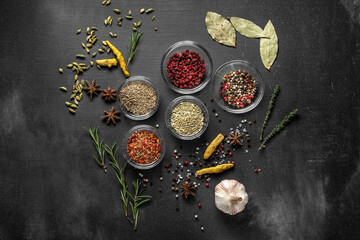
(138, 200)
(133, 46)
(93, 131)
(269, 109)
(279, 127)
(120, 174)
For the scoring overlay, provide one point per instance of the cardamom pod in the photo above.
(71, 110)
(73, 106)
(149, 10)
(72, 95)
(94, 28)
(76, 78)
(69, 65)
(87, 29)
(78, 31)
(94, 54)
(142, 11)
(91, 63)
(87, 49)
(82, 82)
(116, 11)
(134, 29)
(67, 104)
(108, 2)
(120, 23)
(103, 2)
(81, 96)
(81, 56)
(98, 66)
(77, 98)
(63, 89)
(61, 70)
(153, 18)
(138, 24)
(135, 24)
(100, 50)
(104, 43)
(129, 17)
(103, 47)
(130, 12)
(106, 22)
(76, 102)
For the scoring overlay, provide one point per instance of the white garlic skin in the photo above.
(230, 196)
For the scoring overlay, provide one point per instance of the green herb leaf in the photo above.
(269, 46)
(220, 29)
(247, 28)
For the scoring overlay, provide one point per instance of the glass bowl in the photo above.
(175, 103)
(191, 46)
(233, 66)
(148, 82)
(129, 134)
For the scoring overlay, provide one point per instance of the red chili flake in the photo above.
(143, 147)
(186, 70)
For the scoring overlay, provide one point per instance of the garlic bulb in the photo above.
(230, 196)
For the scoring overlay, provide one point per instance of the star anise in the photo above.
(92, 88)
(187, 189)
(109, 95)
(111, 115)
(235, 138)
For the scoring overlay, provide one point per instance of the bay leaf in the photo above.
(220, 29)
(269, 46)
(247, 28)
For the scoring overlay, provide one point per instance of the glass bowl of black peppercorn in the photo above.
(238, 86)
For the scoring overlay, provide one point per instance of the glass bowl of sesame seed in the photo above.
(238, 86)
(139, 98)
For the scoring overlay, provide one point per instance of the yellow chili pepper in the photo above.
(216, 169)
(119, 57)
(211, 148)
(107, 62)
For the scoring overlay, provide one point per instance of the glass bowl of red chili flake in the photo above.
(143, 147)
(238, 86)
(186, 67)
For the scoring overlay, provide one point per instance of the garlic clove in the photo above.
(230, 196)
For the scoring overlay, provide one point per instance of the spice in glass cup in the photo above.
(143, 147)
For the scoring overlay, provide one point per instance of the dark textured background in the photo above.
(308, 188)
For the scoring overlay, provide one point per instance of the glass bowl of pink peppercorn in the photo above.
(244, 95)
(186, 67)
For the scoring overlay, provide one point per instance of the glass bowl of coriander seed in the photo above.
(139, 98)
(187, 117)
(238, 86)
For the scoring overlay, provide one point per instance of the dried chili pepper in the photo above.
(143, 147)
(218, 169)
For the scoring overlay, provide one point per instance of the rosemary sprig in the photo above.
(133, 46)
(93, 131)
(270, 107)
(120, 174)
(279, 127)
(138, 200)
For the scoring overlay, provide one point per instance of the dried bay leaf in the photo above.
(247, 28)
(220, 29)
(269, 46)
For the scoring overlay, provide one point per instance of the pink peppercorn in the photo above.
(186, 70)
